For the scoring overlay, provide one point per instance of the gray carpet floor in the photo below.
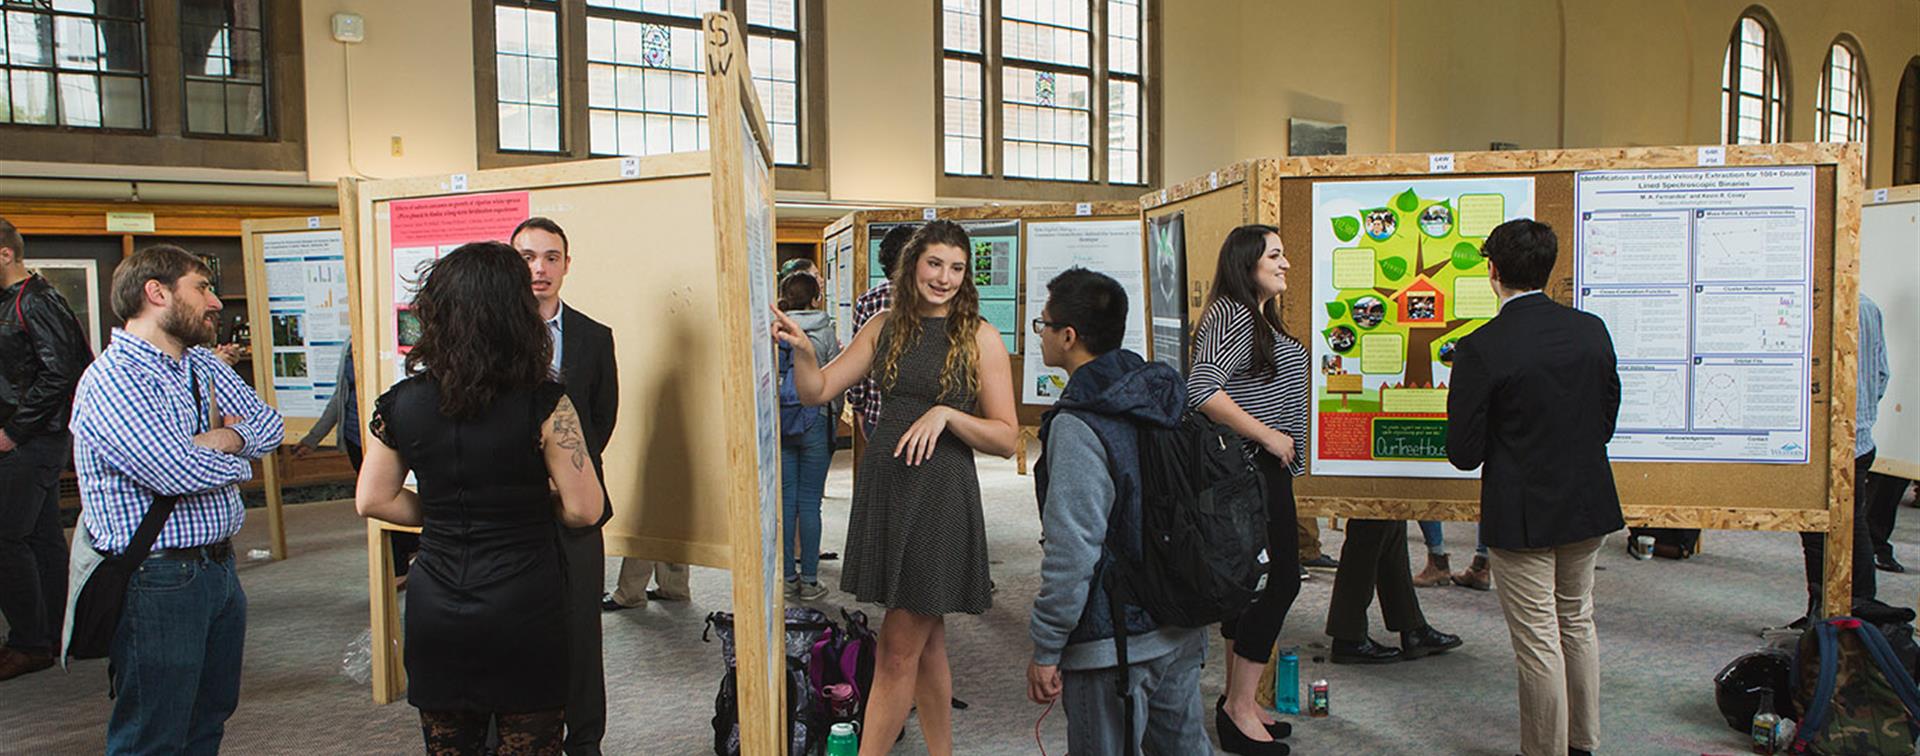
(1665, 628)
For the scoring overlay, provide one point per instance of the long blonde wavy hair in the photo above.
(904, 325)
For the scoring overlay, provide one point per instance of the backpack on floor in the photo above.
(804, 628)
(1855, 695)
(840, 670)
(1203, 524)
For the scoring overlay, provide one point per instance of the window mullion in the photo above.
(1099, 134)
(992, 99)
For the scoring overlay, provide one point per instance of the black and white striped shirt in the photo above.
(1223, 359)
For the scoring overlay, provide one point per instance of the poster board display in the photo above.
(1811, 496)
(1704, 278)
(301, 328)
(1112, 247)
(1398, 280)
(1890, 276)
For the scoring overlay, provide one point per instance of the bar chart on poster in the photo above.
(1705, 279)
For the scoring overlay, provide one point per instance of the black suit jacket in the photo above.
(588, 368)
(1534, 398)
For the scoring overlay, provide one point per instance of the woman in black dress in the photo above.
(491, 438)
(916, 537)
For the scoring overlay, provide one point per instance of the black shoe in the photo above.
(1799, 624)
(1886, 563)
(607, 604)
(1322, 562)
(1304, 574)
(1571, 751)
(654, 594)
(1881, 613)
(1233, 741)
(1363, 652)
(1279, 730)
(1426, 641)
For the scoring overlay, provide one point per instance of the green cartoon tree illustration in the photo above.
(1420, 264)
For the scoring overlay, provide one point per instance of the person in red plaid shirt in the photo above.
(864, 397)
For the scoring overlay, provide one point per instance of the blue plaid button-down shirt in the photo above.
(864, 396)
(134, 419)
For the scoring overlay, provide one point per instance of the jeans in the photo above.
(33, 550)
(803, 480)
(1436, 539)
(175, 663)
(1169, 716)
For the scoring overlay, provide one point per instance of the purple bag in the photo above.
(840, 669)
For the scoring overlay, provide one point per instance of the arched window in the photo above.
(1753, 82)
(1906, 127)
(1841, 115)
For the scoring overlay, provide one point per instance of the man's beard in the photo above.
(189, 329)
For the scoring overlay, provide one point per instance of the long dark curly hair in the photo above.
(481, 335)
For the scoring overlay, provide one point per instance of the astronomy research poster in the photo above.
(1705, 279)
(1398, 279)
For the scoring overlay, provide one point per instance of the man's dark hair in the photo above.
(10, 239)
(1523, 250)
(1092, 304)
(798, 290)
(892, 243)
(543, 224)
(165, 263)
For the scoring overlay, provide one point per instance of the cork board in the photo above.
(1788, 497)
(666, 469)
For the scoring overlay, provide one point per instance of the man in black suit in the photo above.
(1534, 399)
(583, 358)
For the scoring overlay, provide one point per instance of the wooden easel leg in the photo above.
(276, 524)
(389, 677)
(1837, 593)
(1020, 451)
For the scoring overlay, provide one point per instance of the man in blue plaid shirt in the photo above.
(145, 424)
(864, 397)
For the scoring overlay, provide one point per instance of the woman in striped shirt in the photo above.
(1249, 375)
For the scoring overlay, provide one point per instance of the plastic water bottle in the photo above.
(1286, 683)
(841, 740)
(1765, 725)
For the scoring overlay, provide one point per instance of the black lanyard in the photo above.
(199, 408)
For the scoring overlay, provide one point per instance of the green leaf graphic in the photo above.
(1393, 267)
(1346, 227)
(1465, 256)
(1335, 310)
(1407, 201)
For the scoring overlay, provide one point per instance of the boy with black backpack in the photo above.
(1088, 482)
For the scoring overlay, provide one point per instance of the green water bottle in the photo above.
(841, 741)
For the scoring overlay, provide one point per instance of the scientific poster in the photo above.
(1704, 279)
(422, 230)
(843, 287)
(757, 199)
(1167, 279)
(1110, 247)
(1397, 281)
(308, 317)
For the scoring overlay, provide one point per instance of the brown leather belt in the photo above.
(213, 552)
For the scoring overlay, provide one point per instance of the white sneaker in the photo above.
(793, 587)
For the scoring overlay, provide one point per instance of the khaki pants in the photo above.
(631, 590)
(1309, 529)
(1547, 595)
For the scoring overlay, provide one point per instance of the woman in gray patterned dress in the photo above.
(916, 539)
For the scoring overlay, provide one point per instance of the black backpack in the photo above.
(1203, 524)
(804, 628)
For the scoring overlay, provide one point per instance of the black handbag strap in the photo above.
(150, 525)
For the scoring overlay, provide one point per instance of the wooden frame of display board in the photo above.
(259, 313)
(852, 228)
(685, 287)
(1815, 496)
(1890, 275)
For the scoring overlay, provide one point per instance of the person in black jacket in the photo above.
(583, 358)
(1534, 399)
(43, 351)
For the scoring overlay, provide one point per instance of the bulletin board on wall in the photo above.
(301, 311)
(1007, 273)
(1812, 493)
(1890, 276)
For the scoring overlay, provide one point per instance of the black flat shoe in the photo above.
(1279, 730)
(1363, 652)
(1426, 641)
(1233, 741)
(1886, 563)
(607, 604)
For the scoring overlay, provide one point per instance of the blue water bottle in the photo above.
(1286, 682)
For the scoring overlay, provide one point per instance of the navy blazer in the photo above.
(1534, 398)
